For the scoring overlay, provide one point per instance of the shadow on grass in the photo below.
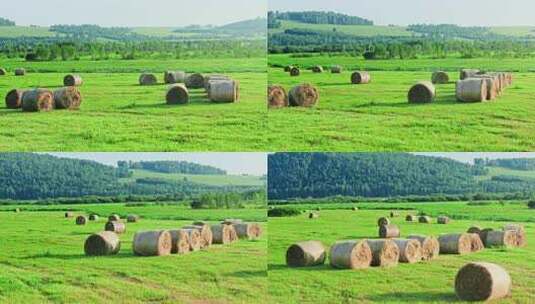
(249, 273)
(193, 101)
(81, 256)
(411, 297)
(441, 101)
(274, 267)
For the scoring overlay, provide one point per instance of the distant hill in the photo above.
(318, 17)
(177, 167)
(257, 26)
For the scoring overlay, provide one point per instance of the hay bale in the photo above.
(313, 215)
(152, 243)
(474, 229)
(354, 208)
(206, 234)
(172, 77)
(224, 91)
(295, 72)
(389, 231)
(115, 226)
(482, 282)
(422, 92)
(37, 100)
(249, 231)
(72, 80)
(102, 243)
(81, 220)
(443, 220)
(468, 73)
(497, 238)
(288, 68)
(424, 219)
(394, 214)
(69, 214)
(308, 253)
(471, 90)
(3, 72)
(410, 250)
(194, 239)
(455, 243)
(429, 245)
(476, 243)
(93, 217)
(411, 218)
(520, 233)
(20, 72)
(147, 79)
(67, 98)
(385, 253)
(360, 77)
(132, 218)
(355, 254)
(194, 81)
(277, 97)
(180, 243)
(14, 99)
(317, 69)
(209, 78)
(114, 218)
(304, 95)
(493, 85)
(336, 69)
(383, 221)
(222, 234)
(17, 210)
(177, 94)
(440, 77)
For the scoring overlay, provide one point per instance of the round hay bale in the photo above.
(81, 220)
(115, 226)
(171, 77)
(410, 250)
(14, 99)
(114, 218)
(277, 97)
(233, 234)
(102, 243)
(313, 215)
(194, 239)
(67, 98)
(422, 92)
(411, 218)
(493, 85)
(360, 77)
(180, 243)
(132, 218)
(440, 77)
(304, 95)
(224, 91)
(468, 73)
(147, 79)
(455, 243)
(383, 221)
(471, 90)
(443, 220)
(37, 100)
(308, 253)
(206, 234)
(389, 231)
(200, 223)
(152, 243)
(195, 81)
(505, 238)
(20, 72)
(424, 219)
(288, 68)
(221, 234)
(474, 229)
(354, 208)
(72, 80)
(350, 255)
(249, 231)
(429, 244)
(93, 217)
(394, 214)
(177, 94)
(520, 233)
(482, 282)
(17, 210)
(317, 69)
(3, 72)
(69, 214)
(209, 78)
(295, 72)
(336, 69)
(385, 253)
(476, 243)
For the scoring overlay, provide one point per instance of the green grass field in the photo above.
(426, 282)
(25, 31)
(117, 114)
(45, 262)
(377, 116)
(213, 180)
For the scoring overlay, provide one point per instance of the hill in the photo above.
(252, 26)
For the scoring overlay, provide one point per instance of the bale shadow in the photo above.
(411, 297)
(274, 267)
(76, 256)
(249, 273)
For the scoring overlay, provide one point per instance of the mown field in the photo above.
(45, 262)
(426, 282)
(377, 116)
(118, 114)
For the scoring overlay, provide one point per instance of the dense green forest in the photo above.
(6, 22)
(182, 167)
(317, 175)
(315, 17)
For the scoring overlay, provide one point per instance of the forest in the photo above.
(181, 167)
(6, 22)
(315, 17)
(525, 164)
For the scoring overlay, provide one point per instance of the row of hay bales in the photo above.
(39, 99)
(16, 72)
(425, 219)
(219, 88)
(357, 77)
(303, 95)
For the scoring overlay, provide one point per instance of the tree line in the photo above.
(6, 22)
(315, 17)
(524, 164)
(181, 167)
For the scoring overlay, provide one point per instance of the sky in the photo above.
(404, 12)
(233, 163)
(173, 13)
(469, 157)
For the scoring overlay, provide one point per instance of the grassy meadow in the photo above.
(213, 180)
(377, 116)
(54, 269)
(425, 282)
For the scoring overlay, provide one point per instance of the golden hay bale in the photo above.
(206, 234)
(336, 69)
(102, 243)
(442, 219)
(468, 73)
(177, 94)
(424, 219)
(152, 243)
(385, 253)
(313, 215)
(171, 77)
(482, 282)
(383, 221)
(72, 80)
(114, 218)
(222, 234)
(476, 243)
(147, 79)
(249, 231)
(3, 72)
(355, 254)
(455, 243)
(440, 77)
(360, 77)
(195, 81)
(132, 218)
(304, 95)
(37, 100)
(14, 99)
(308, 253)
(295, 72)
(389, 231)
(520, 233)
(93, 217)
(493, 85)
(317, 69)
(411, 218)
(422, 92)
(69, 214)
(505, 238)
(194, 239)
(67, 98)
(81, 220)
(209, 78)
(410, 250)
(115, 226)
(429, 244)
(471, 90)
(20, 72)
(180, 243)
(277, 97)
(224, 91)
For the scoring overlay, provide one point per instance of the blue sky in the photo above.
(403, 12)
(131, 12)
